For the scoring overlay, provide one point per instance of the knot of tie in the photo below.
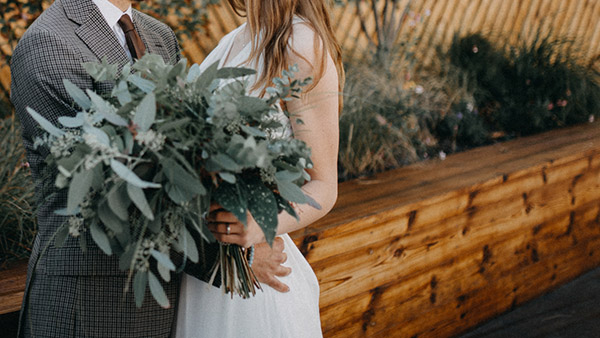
(126, 24)
(134, 42)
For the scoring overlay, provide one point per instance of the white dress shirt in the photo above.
(112, 14)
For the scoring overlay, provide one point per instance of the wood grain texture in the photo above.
(437, 247)
(12, 284)
(433, 249)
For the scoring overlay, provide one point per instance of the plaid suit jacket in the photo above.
(73, 294)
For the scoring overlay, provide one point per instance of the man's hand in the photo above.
(267, 264)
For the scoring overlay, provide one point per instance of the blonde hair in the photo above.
(274, 20)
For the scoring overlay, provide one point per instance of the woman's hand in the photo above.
(228, 229)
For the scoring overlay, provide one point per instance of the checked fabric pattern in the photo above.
(72, 294)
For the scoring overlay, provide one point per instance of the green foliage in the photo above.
(139, 184)
(17, 219)
(381, 126)
(534, 87)
(475, 94)
(189, 16)
(461, 128)
(6, 110)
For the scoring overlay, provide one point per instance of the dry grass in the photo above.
(17, 220)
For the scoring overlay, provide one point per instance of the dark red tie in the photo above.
(134, 42)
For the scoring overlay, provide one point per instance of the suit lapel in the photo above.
(101, 40)
(94, 31)
(152, 40)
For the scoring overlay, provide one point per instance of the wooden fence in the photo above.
(430, 23)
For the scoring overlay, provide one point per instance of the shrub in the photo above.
(17, 221)
(534, 87)
(368, 143)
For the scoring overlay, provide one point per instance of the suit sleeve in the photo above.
(39, 64)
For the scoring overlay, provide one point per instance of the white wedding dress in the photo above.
(204, 311)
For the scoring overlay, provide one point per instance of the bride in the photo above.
(277, 34)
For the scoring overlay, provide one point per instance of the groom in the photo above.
(73, 294)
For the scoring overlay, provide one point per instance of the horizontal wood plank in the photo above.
(526, 210)
(435, 248)
(12, 284)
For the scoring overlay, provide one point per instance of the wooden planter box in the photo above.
(435, 248)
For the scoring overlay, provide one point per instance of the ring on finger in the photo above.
(228, 229)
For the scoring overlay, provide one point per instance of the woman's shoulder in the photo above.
(231, 35)
(304, 39)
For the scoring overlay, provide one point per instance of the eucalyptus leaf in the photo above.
(106, 110)
(123, 237)
(61, 235)
(126, 257)
(253, 131)
(288, 175)
(154, 225)
(310, 201)
(99, 236)
(99, 104)
(176, 124)
(253, 105)
(77, 95)
(109, 219)
(144, 85)
(164, 272)
(45, 124)
(121, 91)
(178, 194)
(139, 199)
(189, 245)
(79, 188)
(72, 122)
(98, 178)
(163, 259)
(157, 291)
(291, 192)
(193, 73)
(207, 77)
(102, 71)
(129, 176)
(128, 139)
(71, 162)
(119, 201)
(145, 113)
(228, 177)
(178, 176)
(99, 133)
(234, 72)
(140, 280)
(178, 69)
(66, 212)
(222, 162)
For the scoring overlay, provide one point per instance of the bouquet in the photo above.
(143, 164)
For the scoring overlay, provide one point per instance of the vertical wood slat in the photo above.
(514, 21)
